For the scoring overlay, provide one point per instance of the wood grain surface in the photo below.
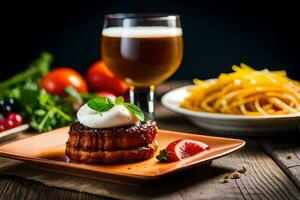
(285, 151)
(269, 173)
(17, 188)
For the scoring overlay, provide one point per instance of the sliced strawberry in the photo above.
(180, 149)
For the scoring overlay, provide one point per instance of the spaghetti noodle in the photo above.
(245, 92)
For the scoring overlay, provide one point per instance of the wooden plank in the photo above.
(18, 188)
(282, 147)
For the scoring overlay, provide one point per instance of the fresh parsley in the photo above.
(43, 111)
(40, 109)
(103, 104)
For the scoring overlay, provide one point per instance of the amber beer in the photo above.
(142, 56)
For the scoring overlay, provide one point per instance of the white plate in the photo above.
(230, 124)
(10, 133)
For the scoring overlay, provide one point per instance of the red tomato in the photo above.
(2, 128)
(15, 118)
(56, 81)
(107, 94)
(11, 121)
(100, 78)
(8, 124)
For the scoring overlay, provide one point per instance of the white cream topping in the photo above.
(115, 117)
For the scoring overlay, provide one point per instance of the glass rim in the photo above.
(142, 16)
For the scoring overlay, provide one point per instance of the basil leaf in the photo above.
(110, 101)
(100, 104)
(135, 110)
(119, 100)
(105, 108)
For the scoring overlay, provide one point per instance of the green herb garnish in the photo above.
(43, 111)
(103, 104)
(40, 109)
(163, 155)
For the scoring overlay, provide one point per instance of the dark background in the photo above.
(217, 34)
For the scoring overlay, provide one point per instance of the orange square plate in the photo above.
(47, 151)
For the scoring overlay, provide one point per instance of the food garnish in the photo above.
(226, 176)
(180, 149)
(245, 92)
(225, 180)
(40, 109)
(242, 170)
(235, 175)
(103, 104)
(289, 156)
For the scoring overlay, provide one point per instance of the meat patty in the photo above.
(107, 139)
(113, 157)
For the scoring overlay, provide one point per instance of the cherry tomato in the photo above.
(8, 124)
(100, 78)
(15, 118)
(56, 81)
(2, 128)
(107, 94)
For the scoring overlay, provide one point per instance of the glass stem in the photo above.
(145, 99)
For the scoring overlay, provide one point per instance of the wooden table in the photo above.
(270, 174)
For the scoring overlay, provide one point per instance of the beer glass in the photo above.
(143, 50)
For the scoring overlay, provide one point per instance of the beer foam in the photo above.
(142, 31)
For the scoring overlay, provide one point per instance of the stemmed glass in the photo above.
(143, 50)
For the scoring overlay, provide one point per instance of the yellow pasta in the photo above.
(245, 92)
